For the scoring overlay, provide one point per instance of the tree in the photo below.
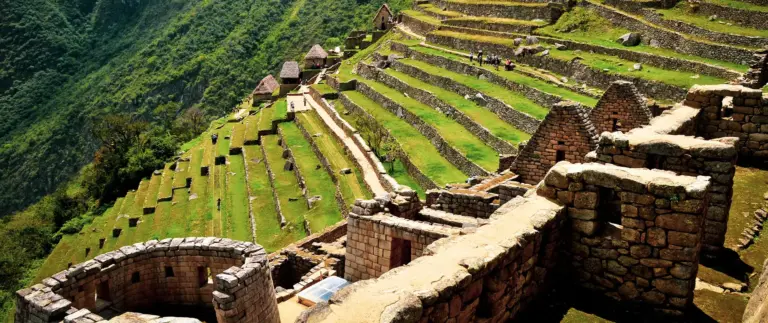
(191, 123)
(375, 135)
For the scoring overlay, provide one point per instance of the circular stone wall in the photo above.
(232, 276)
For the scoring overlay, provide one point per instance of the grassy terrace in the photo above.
(154, 187)
(428, 7)
(422, 16)
(455, 134)
(286, 187)
(518, 78)
(180, 203)
(501, 3)
(323, 89)
(268, 233)
(613, 64)
(238, 136)
(420, 151)
(503, 21)
(352, 185)
(252, 126)
(719, 25)
(200, 206)
(735, 4)
(134, 210)
(166, 184)
(514, 99)
(480, 115)
(236, 222)
(222, 144)
(324, 212)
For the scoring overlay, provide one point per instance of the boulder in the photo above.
(638, 67)
(346, 171)
(559, 46)
(531, 40)
(654, 43)
(545, 53)
(518, 41)
(629, 39)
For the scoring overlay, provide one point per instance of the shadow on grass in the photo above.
(577, 305)
(730, 263)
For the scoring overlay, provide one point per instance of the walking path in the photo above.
(369, 171)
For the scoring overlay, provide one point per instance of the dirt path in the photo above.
(369, 171)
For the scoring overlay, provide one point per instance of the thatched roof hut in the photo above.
(316, 52)
(290, 70)
(267, 85)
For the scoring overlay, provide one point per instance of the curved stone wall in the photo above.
(231, 276)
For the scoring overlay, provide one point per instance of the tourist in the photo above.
(293, 107)
(218, 204)
(471, 53)
(214, 138)
(480, 57)
(305, 100)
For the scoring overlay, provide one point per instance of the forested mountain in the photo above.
(68, 65)
(63, 62)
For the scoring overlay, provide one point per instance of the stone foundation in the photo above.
(225, 274)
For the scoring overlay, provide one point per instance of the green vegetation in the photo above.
(680, 13)
(236, 223)
(398, 172)
(455, 134)
(480, 115)
(422, 16)
(428, 7)
(518, 78)
(323, 89)
(420, 151)
(292, 203)
(503, 21)
(501, 3)
(324, 212)
(735, 4)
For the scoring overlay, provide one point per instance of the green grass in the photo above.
(265, 118)
(252, 126)
(286, 188)
(719, 25)
(503, 21)
(519, 78)
(454, 133)
(324, 212)
(428, 7)
(501, 3)
(222, 144)
(402, 177)
(352, 185)
(422, 16)
(480, 115)
(235, 217)
(280, 110)
(514, 99)
(323, 89)
(418, 148)
(739, 5)
(200, 208)
(238, 136)
(154, 187)
(268, 232)
(166, 184)
(345, 74)
(180, 178)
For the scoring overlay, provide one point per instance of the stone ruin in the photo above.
(621, 108)
(227, 276)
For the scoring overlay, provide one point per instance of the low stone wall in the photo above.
(288, 157)
(754, 19)
(464, 202)
(275, 198)
(636, 233)
(511, 190)
(757, 74)
(746, 120)
(573, 69)
(683, 155)
(426, 97)
(446, 150)
(170, 271)
(757, 311)
(671, 39)
(484, 25)
(410, 168)
(490, 275)
(520, 120)
(418, 26)
(502, 10)
(343, 207)
(686, 28)
(251, 217)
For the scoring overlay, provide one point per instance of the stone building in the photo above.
(290, 77)
(621, 108)
(222, 275)
(315, 58)
(264, 90)
(383, 18)
(565, 134)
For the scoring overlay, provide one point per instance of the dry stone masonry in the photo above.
(228, 276)
(621, 108)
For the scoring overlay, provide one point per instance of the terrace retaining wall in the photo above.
(426, 97)
(446, 150)
(725, 38)
(170, 271)
(417, 25)
(275, 198)
(550, 12)
(483, 25)
(754, 19)
(672, 40)
(464, 202)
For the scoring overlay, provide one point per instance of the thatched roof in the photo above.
(267, 85)
(290, 70)
(316, 52)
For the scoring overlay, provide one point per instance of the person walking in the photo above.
(471, 53)
(480, 57)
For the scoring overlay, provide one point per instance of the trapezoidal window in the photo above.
(615, 125)
(559, 155)
(168, 271)
(135, 277)
(203, 276)
(102, 291)
(656, 161)
(401, 253)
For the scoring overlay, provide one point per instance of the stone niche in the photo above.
(636, 233)
(227, 276)
(565, 134)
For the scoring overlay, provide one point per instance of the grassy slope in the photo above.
(519, 78)
(680, 14)
(455, 134)
(420, 151)
(286, 187)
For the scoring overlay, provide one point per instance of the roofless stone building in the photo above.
(621, 108)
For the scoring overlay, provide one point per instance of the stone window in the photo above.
(135, 277)
(559, 155)
(609, 206)
(203, 276)
(168, 271)
(401, 253)
(727, 108)
(102, 291)
(656, 161)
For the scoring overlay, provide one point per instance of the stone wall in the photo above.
(520, 120)
(511, 190)
(690, 29)
(754, 19)
(429, 99)
(621, 108)
(686, 156)
(571, 69)
(747, 119)
(446, 150)
(170, 271)
(492, 26)
(501, 10)
(489, 275)
(757, 308)
(371, 242)
(464, 202)
(418, 26)
(410, 168)
(636, 233)
(565, 134)
(757, 75)
(670, 39)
